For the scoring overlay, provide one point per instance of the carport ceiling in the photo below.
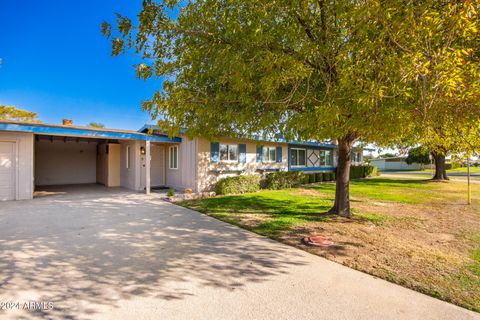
(72, 139)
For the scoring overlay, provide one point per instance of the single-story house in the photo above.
(33, 155)
(396, 164)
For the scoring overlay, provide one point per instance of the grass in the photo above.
(416, 233)
(459, 170)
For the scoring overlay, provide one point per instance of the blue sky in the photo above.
(56, 63)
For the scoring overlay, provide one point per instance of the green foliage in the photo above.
(96, 125)
(319, 177)
(418, 155)
(371, 171)
(358, 172)
(15, 114)
(452, 165)
(333, 175)
(238, 184)
(170, 192)
(327, 176)
(311, 178)
(308, 69)
(283, 180)
(305, 179)
(388, 155)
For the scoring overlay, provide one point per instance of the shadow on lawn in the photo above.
(88, 256)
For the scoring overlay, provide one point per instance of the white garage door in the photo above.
(7, 170)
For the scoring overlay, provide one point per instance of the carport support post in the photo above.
(147, 167)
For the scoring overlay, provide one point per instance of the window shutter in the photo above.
(243, 153)
(259, 153)
(214, 151)
(279, 154)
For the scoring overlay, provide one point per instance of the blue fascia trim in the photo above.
(322, 169)
(51, 130)
(312, 145)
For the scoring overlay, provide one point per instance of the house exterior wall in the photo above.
(210, 172)
(58, 162)
(186, 174)
(24, 162)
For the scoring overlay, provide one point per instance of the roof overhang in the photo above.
(54, 130)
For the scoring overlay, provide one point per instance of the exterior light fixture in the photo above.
(142, 150)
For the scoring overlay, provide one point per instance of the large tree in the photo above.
(16, 114)
(439, 44)
(309, 70)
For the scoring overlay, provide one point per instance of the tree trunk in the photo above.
(440, 167)
(341, 205)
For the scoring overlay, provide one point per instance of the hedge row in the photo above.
(285, 179)
(318, 177)
(358, 172)
(238, 184)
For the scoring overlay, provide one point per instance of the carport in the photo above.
(36, 156)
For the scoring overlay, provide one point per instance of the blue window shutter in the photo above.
(259, 153)
(279, 154)
(243, 153)
(214, 151)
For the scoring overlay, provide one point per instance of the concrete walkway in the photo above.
(98, 254)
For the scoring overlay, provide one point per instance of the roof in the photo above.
(146, 127)
(390, 159)
(80, 131)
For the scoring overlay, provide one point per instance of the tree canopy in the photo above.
(418, 155)
(16, 114)
(96, 125)
(378, 71)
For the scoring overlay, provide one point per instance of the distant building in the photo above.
(396, 164)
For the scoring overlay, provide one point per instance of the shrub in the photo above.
(333, 176)
(311, 178)
(326, 176)
(305, 179)
(358, 172)
(371, 171)
(238, 184)
(318, 177)
(170, 192)
(283, 180)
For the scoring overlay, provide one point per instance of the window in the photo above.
(269, 154)
(298, 157)
(127, 157)
(173, 157)
(228, 152)
(326, 159)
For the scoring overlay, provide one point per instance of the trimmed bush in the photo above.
(371, 171)
(333, 176)
(358, 172)
(326, 176)
(318, 177)
(311, 178)
(283, 180)
(305, 179)
(238, 184)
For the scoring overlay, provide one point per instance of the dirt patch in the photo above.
(419, 246)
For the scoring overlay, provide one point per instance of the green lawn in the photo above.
(417, 233)
(460, 170)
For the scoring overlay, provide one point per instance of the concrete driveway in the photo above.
(98, 254)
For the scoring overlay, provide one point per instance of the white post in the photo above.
(147, 167)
